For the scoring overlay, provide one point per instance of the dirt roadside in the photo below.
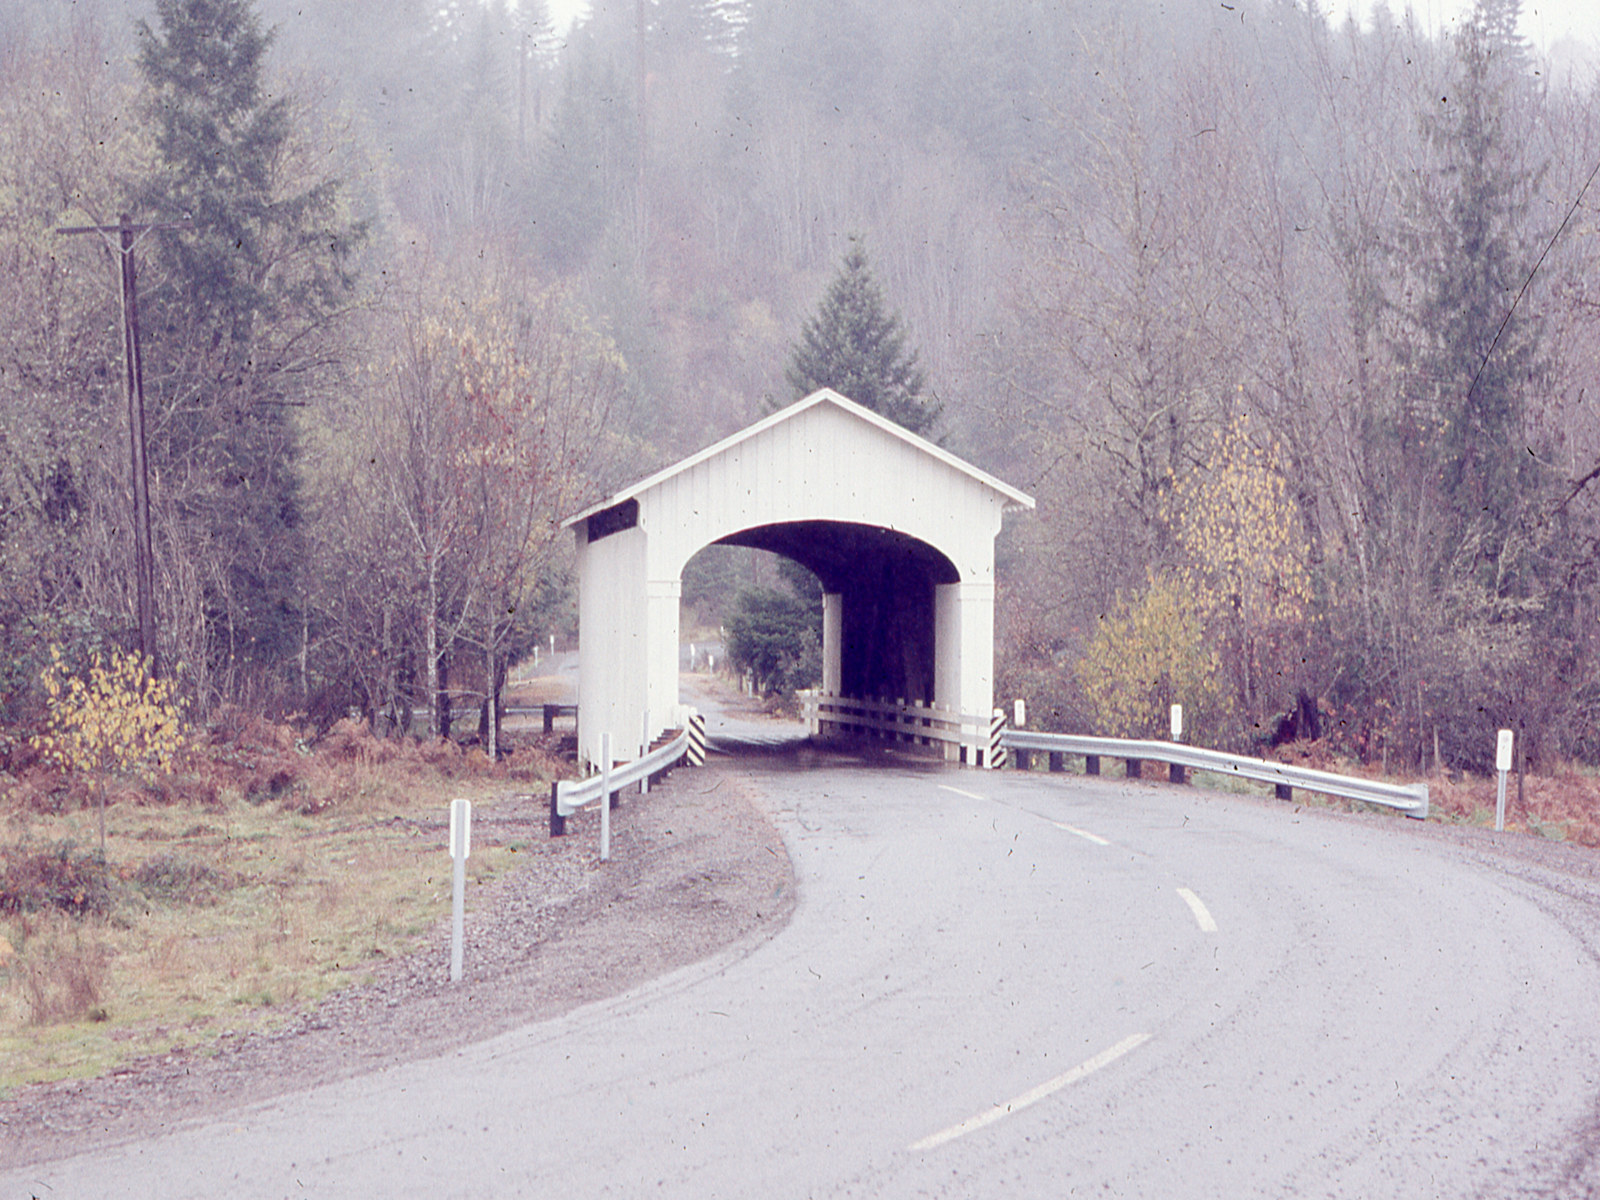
(695, 868)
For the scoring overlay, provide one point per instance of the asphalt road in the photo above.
(997, 985)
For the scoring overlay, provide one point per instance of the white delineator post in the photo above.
(1502, 764)
(605, 797)
(1175, 771)
(460, 847)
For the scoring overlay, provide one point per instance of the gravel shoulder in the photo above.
(695, 868)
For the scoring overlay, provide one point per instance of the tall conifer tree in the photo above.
(1472, 580)
(240, 315)
(857, 347)
(1476, 355)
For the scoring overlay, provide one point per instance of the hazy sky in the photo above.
(564, 12)
(1544, 22)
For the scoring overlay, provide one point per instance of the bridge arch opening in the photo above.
(879, 602)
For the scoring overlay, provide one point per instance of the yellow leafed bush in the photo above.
(1239, 535)
(1150, 652)
(114, 717)
(1213, 630)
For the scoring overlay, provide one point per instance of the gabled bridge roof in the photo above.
(1014, 499)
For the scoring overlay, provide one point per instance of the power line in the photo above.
(1526, 283)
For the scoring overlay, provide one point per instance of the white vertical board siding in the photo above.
(976, 669)
(822, 459)
(662, 598)
(613, 633)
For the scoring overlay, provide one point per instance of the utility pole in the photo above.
(129, 235)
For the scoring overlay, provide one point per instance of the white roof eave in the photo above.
(1016, 500)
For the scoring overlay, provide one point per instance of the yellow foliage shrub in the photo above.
(1242, 544)
(115, 717)
(1218, 624)
(1149, 653)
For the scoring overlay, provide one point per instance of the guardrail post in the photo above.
(1022, 760)
(1175, 770)
(558, 823)
(1091, 764)
(1058, 761)
(1283, 791)
(1133, 768)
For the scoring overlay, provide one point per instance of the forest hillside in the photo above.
(1287, 324)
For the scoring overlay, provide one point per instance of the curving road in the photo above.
(998, 985)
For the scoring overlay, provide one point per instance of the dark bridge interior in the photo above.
(885, 580)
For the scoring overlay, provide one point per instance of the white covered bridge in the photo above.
(900, 532)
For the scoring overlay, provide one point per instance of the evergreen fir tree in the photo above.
(239, 315)
(857, 347)
(777, 637)
(219, 138)
(1472, 568)
(1475, 355)
(581, 181)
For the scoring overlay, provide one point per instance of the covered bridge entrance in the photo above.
(900, 532)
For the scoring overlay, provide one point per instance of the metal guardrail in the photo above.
(1409, 798)
(548, 711)
(901, 720)
(567, 796)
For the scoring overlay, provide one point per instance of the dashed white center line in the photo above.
(959, 792)
(1083, 833)
(1201, 913)
(1104, 1058)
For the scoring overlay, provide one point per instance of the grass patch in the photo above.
(1238, 785)
(1561, 804)
(260, 887)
